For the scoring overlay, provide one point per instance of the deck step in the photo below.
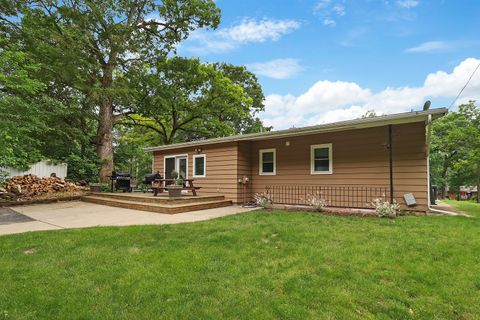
(157, 207)
(149, 198)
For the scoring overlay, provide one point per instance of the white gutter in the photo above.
(429, 129)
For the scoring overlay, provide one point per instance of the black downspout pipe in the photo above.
(390, 158)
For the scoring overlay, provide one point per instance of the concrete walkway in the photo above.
(443, 206)
(77, 214)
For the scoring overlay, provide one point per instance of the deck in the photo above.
(160, 204)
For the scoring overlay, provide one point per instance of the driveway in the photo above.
(78, 214)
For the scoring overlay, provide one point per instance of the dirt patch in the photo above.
(346, 212)
(30, 250)
(134, 249)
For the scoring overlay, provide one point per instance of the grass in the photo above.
(261, 265)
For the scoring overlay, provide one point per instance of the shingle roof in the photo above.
(398, 118)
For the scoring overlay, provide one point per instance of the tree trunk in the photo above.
(105, 127)
(105, 140)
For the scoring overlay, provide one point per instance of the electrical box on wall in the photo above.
(410, 199)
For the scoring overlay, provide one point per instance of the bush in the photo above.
(80, 168)
(262, 200)
(3, 177)
(385, 208)
(317, 202)
(105, 187)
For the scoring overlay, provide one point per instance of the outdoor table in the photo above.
(161, 184)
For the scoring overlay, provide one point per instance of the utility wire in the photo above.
(466, 84)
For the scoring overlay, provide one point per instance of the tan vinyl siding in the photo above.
(360, 158)
(221, 172)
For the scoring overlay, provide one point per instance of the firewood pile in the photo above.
(30, 186)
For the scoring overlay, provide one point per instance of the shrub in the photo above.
(105, 187)
(3, 177)
(385, 208)
(317, 202)
(262, 200)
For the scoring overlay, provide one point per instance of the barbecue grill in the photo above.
(122, 181)
(149, 179)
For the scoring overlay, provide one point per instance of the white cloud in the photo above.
(329, 22)
(276, 69)
(330, 101)
(247, 31)
(329, 11)
(408, 3)
(430, 46)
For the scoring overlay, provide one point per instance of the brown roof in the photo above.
(398, 118)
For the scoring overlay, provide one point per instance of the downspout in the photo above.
(390, 158)
(429, 135)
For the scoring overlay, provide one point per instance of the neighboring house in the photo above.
(348, 163)
(466, 193)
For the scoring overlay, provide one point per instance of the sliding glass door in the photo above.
(178, 164)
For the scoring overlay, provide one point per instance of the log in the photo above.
(30, 185)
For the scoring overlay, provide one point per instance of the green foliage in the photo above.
(129, 154)
(455, 149)
(105, 187)
(183, 99)
(70, 72)
(86, 48)
(3, 177)
(81, 168)
(21, 115)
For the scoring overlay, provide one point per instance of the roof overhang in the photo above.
(398, 118)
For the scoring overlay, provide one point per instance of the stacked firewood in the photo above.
(30, 185)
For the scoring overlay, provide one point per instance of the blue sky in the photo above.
(328, 60)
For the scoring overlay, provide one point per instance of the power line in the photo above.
(466, 84)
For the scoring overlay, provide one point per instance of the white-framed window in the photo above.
(267, 162)
(178, 163)
(200, 165)
(321, 159)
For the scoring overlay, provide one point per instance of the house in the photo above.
(347, 163)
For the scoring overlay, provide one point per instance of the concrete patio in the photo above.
(78, 214)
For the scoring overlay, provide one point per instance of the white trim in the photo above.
(312, 158)
(260, 164)
(204, 156)
(174, 156)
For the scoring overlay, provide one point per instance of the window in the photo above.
(200, 166)
(267, 164)
(321, 159)
(178, 163)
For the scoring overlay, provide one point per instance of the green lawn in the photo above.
(261, 265)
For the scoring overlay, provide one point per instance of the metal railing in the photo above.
(335, 196)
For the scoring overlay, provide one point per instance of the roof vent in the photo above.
(427, 105)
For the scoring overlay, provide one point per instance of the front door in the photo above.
(178, 164)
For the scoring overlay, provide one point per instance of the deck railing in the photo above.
(336, 196)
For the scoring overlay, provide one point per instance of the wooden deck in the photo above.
(160, 204)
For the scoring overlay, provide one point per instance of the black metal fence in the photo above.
(335, 196)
